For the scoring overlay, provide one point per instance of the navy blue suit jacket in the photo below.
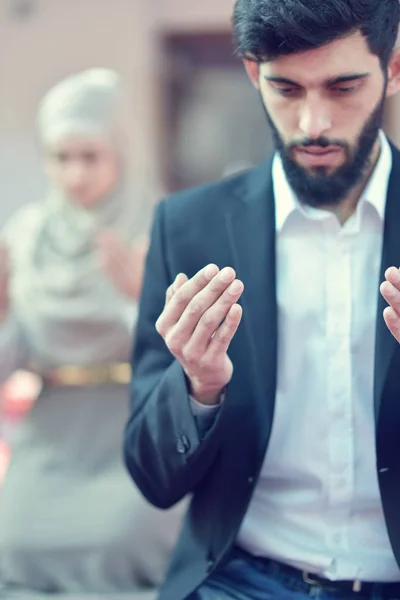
(232, 223)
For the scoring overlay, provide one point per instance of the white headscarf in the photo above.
(69, 311)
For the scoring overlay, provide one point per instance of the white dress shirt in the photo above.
(317, 504)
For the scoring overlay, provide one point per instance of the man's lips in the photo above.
(315, 156)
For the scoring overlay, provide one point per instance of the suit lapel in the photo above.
(385, 342)
(251, 231)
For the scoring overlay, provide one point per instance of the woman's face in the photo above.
(85, 169)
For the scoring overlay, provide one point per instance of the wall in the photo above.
(194, 15)
(61, 37)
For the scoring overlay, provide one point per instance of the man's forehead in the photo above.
(343, 56)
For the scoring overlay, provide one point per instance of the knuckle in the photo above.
(204, 363)
(190, 356)
(180, 298)
(173, 344)
(216, 286)
(208, 319)
(222, 336)
(194, 308)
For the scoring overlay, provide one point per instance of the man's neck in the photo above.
(347, 207)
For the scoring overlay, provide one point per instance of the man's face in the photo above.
(325, 107)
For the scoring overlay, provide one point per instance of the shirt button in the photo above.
(183, 445)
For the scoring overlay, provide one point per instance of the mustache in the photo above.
(321, 142)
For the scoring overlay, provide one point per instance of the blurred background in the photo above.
(194, 116)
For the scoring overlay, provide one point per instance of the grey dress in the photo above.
(71, 520)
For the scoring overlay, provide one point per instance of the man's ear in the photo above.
(394, 74)
(253, 71)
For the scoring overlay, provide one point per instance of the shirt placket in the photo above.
(339, 378)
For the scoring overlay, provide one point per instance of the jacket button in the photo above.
(183, 445)
(210, 566)
(250, 480)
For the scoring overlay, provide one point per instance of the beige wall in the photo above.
(196, 15)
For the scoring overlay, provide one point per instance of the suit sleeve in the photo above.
(164, 451)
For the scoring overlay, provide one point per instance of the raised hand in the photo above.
(123, 263)
(199, 320)
(390, 290)
(4, 279)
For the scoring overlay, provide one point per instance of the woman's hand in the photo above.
(122, 262)
(4, 279)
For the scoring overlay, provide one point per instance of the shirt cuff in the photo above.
(205, 410)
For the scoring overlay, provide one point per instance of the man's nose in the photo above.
(315, 119)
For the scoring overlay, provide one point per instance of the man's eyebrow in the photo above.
(273, 79)
(347, 77)
(333, 81)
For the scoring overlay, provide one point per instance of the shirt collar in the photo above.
(375, 192)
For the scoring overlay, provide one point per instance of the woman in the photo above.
(70, 519)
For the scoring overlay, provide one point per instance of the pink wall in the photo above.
(196, 15)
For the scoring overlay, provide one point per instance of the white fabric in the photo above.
(317, 504)
(67, 309)
(84, 103)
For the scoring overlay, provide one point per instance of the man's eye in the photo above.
(346, 89)
(286, 91)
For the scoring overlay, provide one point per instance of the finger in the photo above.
(111, 247)
(211, 320)
(140, 249)
(107, 237)
(391, 295)
(3, 256)
(184, 295)
(392, 320)
(392, 275)
(4, 263)
(220, 343)
(180, 279)
(116, 259)
(110, 255)
(182, 330)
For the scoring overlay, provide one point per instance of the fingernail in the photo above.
(211, 271)
(395, 276)
(235, 288)
(227, 275)
(388, 289)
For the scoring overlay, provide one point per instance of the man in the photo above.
(289, 443)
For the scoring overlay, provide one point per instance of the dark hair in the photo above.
(266, 29)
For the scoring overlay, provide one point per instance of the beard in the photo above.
(320, 187)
